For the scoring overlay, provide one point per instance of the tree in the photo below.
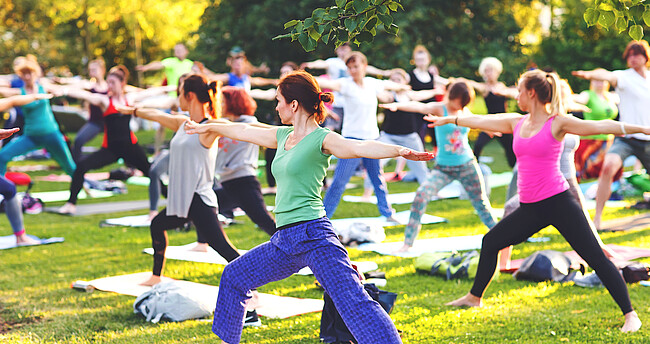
(621, 15)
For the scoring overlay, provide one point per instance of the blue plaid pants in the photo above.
(312, 244)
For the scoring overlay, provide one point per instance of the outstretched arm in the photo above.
(150, 92)
(343, 148)
(572, 125)
(262, 136)
(502, 123)
(597, 74)
(155, 65)
(4, 133)
(96, 99)
(9, 91)
(172, 122)
(21, 100)
(423, 108)
(333, 85)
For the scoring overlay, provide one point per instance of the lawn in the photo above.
(37, 304)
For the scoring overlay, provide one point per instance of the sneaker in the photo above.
(251, 319)
(588, 281)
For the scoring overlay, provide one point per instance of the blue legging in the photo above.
(312, 244)
(345, 168)
(53, 142)
(85, 134)
(13, 208)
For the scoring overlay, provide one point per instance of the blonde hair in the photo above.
(27, 62)
(547, 89)
(490, 62)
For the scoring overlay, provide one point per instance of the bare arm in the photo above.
(502, 123)
(96, 99)
(421, 95)
(333, 85)
(172, 122)
(344, 148)
(581, 98)
(423, 108)
(317, 64)
(150, 92)
(393, 86)
(597, 74)
(4, 133)
(572, 125)
(155, 65)
(372, 70)
(262, 94)
(9, 91)
(265, 137)
(21, 100)
(258, 82)
(223, 77)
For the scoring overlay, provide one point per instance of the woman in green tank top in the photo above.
(305, 236)
(603, 105)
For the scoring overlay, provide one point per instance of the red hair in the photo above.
(303, 88)
(238, 101)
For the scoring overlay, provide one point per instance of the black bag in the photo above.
(636, 272)
(546, 265)
(332, 327)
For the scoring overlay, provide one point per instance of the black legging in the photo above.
(564, 213)
(505, 140)
(246, 193)
(133, 155)
(205, 220)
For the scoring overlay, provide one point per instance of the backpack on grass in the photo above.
(451, 265)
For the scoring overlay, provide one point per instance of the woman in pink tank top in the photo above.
(545, 199)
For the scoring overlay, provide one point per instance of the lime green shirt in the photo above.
(174, 68)
(600, 109)
(299, 173)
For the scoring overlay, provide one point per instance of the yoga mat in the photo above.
(64, 195)
(9, 241)
(105, 208)
(66, 178)
(143, 220)
(446, 244)
(627, 253)
(402, 217)
(212, 257)
(271, 306)
(641, 221)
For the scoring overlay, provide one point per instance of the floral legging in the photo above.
(470, 177)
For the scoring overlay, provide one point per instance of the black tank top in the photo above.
(116, 127)
(96, 113)
(401, 122)
(495, 103)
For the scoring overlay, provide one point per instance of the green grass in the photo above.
(37, 304)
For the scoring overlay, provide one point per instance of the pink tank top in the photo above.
(538, 161)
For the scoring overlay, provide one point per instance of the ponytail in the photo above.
(206, 92)
(547, 89)
(214, 99)
(120, 72)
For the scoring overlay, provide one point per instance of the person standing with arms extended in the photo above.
(305, 236)
(543, 191)
(633, 88)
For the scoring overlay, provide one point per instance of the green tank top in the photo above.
(299, 173)
(39, 119)
(600, 109)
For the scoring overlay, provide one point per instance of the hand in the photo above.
(436, 121)
(4, 133)
(192, 127)
(493, 133)
(140, 68)
(389, 107)
(580, 74)
(415, 155)
(124, 109)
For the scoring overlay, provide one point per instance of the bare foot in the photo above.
(597, 222)
(367, 195)
(200, 247)
(393, 220)
(152, 214)
(68, 209)
(632, 322)
(404, 248)
(153, 280)
(25, 240)
(468, 300)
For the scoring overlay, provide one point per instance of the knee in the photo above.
(9, 191)
(489, 243)
(610, 166)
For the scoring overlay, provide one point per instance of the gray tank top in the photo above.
(191, 170)
(567, 158)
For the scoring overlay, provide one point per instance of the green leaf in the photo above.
(646, 16)
(318, 14)
(371, 23)
(392, 29)
(385, 19)
(383, 9)
(591, 16)
(364, 36)
(360, 5)
(392, 6)
(309, 22)
(308, 44)
(340, 3)
(342, 36)
(282, 36)
(313, 33)
(350, 24)
(290, 23)
(606, 19)
(621, 24)
(325, 38)
(636, 32)
(320, 29)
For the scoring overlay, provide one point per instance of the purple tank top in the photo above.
(538, 160)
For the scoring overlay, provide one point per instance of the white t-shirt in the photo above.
(360, 109)
(337, 69)
(634, 92)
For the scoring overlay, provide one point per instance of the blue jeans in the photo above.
(345, 168)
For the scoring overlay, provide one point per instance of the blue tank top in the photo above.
(239, 81)
(39, 119)
(453, 145)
